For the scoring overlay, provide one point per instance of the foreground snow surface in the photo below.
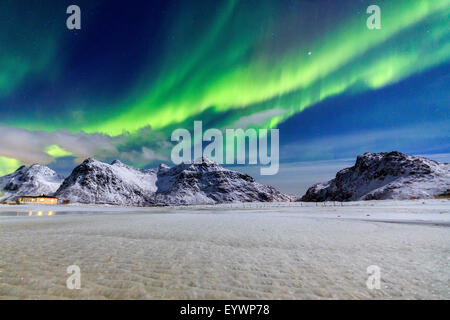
(238, 251)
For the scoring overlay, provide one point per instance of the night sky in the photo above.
(137, 70)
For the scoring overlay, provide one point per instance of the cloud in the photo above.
(29, 147)
(258, 119)
(141, 157)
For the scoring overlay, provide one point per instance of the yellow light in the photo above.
(50, 213)
(40, 213)
(30, 213)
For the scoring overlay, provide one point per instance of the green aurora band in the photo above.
(8, 165)
(248, 74)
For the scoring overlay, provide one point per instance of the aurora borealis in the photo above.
(139, 69)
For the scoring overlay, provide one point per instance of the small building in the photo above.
(42, 199)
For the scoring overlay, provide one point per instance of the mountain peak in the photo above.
(385, 175)
(117, 162)
(90, 160)
(205, 160)
(21, 168)
(32, 181)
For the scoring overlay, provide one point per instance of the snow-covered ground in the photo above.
(254, 251)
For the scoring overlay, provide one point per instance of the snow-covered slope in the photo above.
(380, 176)
(203, 182)
(118, 184)
(206, 182)
(31, 181)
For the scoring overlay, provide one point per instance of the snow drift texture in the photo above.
(380, 176)
(31, 181)
(203, 182)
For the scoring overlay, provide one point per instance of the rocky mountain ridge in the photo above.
(95, 182)
(381, 176)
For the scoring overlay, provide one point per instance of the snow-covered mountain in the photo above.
(31, 181)
(116, 183)
(379, 176)
(204, 182)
